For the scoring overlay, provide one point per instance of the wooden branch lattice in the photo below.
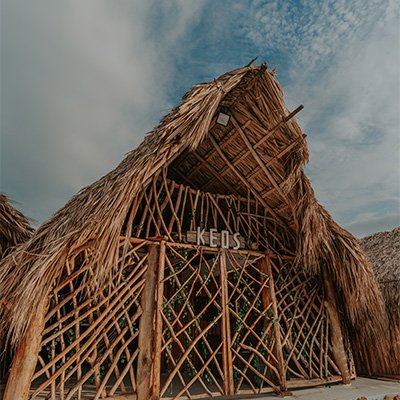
(218, 332)
(190, 352)
(304, 325)
(252, 326)
(167, 209)
(89, 344)
(227, 322)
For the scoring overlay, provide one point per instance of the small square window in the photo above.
(223, 119)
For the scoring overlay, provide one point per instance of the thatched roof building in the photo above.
(167, 276)
(14, 226)
(383, 251)
(14, 229)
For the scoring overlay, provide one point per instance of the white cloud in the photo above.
(82, 82)
(344, 59)
(355, 145)
(311, 31)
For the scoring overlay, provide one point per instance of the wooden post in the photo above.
(25, 358)
(226, 328)
(146, 328)
(266, 264)
(158, 323)
(339, 352)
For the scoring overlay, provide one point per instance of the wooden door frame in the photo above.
(227, 364)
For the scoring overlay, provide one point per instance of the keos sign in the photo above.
(213, 238)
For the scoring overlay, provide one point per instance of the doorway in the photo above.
(218, 323)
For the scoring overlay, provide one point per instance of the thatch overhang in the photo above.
(261, 151)
(14, 230)
(383, 252)
(14, 226)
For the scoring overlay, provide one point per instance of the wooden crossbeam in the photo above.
(227, 140)
(258, 159)
(261, 164)
(214, 172)
(274, 159)
(245, 182)
(259, 143)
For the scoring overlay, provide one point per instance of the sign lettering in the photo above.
(213, 238)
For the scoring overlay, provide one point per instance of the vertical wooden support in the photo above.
(26, 357)
(146, 328)
(266, 264)
(226, 328)
(158, 323)
(339, 352)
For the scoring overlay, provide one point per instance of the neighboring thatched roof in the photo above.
(383, 251)
(14, 226)
(97, 213)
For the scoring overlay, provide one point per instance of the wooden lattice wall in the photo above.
(178, 320)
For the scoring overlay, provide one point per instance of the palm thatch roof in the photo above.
(14, 226)
(383, 251)
(95, 216)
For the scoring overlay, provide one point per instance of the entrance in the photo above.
(218, 323)
(185, 321)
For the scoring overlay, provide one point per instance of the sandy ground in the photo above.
(372, 389)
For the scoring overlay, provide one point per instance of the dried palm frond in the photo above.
(14, 226)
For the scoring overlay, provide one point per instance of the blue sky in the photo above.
(82, 82)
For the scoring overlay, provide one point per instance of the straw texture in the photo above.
(97, 213)
(14, 226)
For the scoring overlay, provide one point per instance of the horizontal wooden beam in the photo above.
(246, 153)
(215, 173)
(258, 159)
(192, 246)
(227, 140)
(244, 181)
(274, 159)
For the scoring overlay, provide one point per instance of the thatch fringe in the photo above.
(14, 226)
(383, 251)
(322, 243)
